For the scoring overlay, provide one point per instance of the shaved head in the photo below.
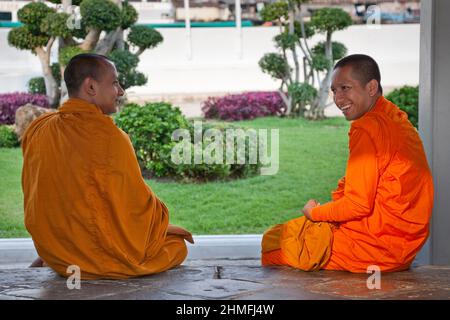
(364, 68)
(82, 66)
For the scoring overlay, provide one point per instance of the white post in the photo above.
(237, 10)
(187, 19)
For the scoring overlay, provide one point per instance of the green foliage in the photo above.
(56, 72)
(129, 15)
(32, 15)
(126, 64)
(37, 84)
(144, 37)
(81, 31)
(407, 99)
(275, 65)
(55, 25)
(150, 129)
(319, 59)
(339, 49)
(285, 40)
(100, 14)
(22, 38)
(302, 93)
(66, 53)
(309, 30)
(330, 19)
(275, 11)
(8, 138)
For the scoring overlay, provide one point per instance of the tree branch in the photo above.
(91, 39)
(105, 45)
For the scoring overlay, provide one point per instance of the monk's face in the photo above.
(108, 90)
(352, 97)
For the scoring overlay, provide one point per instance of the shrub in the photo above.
(407, 99)
(150, 128)
(10, 102)
(126, 64)
(244, 106)
(8, 139)
(37, 84)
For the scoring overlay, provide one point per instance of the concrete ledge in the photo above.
(21, 250)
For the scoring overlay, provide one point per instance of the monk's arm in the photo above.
(361, 180)
(339, 191)
(179, 231)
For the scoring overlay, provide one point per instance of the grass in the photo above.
(312, 159)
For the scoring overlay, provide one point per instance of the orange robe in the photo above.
(383, 205)
(299, 243)
(85, 201)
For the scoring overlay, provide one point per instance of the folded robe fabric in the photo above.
(85, 200)
(299, 243)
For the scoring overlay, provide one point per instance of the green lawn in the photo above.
(312, 159)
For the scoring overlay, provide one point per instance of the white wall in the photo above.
(215, 67)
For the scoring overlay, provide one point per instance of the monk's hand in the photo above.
(179, 231)
(307, 209)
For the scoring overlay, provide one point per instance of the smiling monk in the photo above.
(85, 201)
(380, 212)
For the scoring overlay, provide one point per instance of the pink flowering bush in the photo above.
(243, 106)
(10, 102)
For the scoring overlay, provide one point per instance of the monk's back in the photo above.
(85, 201)
(64, 154)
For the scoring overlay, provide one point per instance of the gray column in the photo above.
(434, 121)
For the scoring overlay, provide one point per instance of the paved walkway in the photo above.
(240, 279)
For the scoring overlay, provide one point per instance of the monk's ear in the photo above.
(372, 87)
(89, 86)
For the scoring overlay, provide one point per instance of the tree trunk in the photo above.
(294, 52)
(106, 45)
(287, 102)
(91, 40)
(51, 87)
(120, 42)
(318, 108)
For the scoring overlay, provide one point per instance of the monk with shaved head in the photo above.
(380, 212)
(86, 203)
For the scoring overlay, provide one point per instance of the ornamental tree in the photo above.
(83, 26)
(305, 73)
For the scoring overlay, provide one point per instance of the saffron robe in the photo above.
(85, 200)
(299, 243)
(382, 206)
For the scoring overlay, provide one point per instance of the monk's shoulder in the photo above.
(35, 125)
(115, 135)
(369, 123)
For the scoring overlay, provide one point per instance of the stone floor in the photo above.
(242, 279)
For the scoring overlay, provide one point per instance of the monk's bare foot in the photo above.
(38, 263)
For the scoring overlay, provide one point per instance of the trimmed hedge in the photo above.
(8, 138)
(151, 127)
(407, 99)
(10, 102)
(243, 106)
